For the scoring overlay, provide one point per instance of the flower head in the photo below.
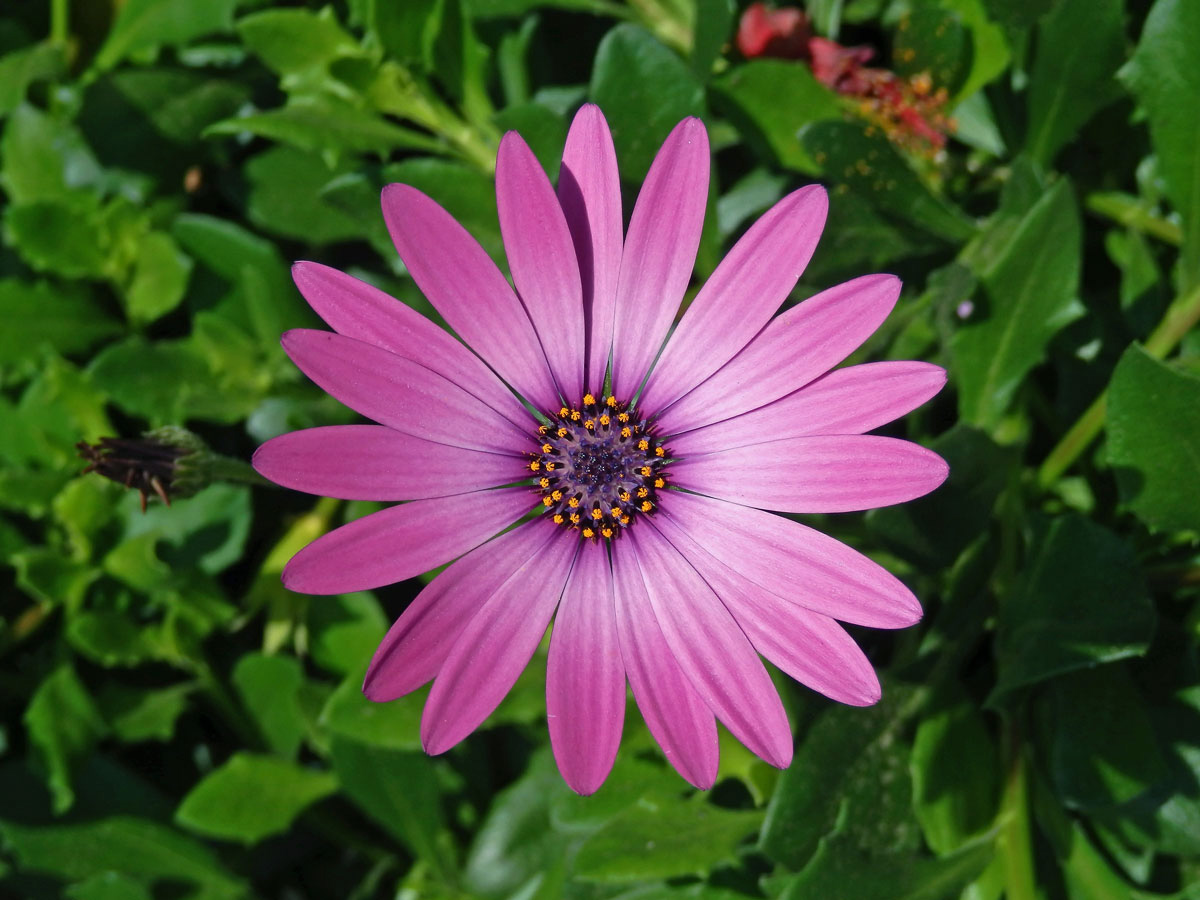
(638, 493)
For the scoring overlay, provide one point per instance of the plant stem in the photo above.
(1181, 316)
(1020, 879)
(1129, 211)
(60, 21)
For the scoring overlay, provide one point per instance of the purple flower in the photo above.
(637, 492)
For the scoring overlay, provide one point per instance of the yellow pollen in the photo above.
(607, 532)
(589, 424)
(550, 467)
(622, 417)
(575, 415)
(556, 496)
(643, 492)
(562, 432)
(643, 444)
(535, 465)
(546, 501)
(658, 483)
(575, 518)
(624, 520)
(611, 401)
(647, 506)
(573, 502)
(588, 533)
(543, 429)
(558, 518)
(597, 513)
(623, 494)
(659, 451)
(564, 412)
(546, 448)
(544, 482)
(625, 432)
(645, 470)
(589, 400)
(604, 420)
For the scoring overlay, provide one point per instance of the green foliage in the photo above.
(174, 723)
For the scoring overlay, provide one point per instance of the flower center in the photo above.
(600, 467)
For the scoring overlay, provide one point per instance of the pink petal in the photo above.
(821, 473)
(497, 643)
(798, 346)
(813, 649)
(589, 190)
(371, 462)
(541, 257)
(741, 296)
(401, 393)
(585, 682)
(420, 640)
(795, 562)
(358, 310)
(678, 718)
(464, 285)
(845, 401)
(660, 251)
(402, 541)
(712, 650)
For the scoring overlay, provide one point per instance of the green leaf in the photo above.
(152, 380)
(849, 774)
(515, 842)
(841, 870)
(1081, 600)
(1030, 291)
(269, 687)
(1164, 74)
(286, 198)
(207, 531)
(934, 40)
(935, 529)
(111, 638)
(644, 90)
(44, 158)
(398, 789)
(21, 68)
(1019, 13)
(136, 715)
(862, 158)
(395, 725)
(108, 886)
(989, 49)
(1102, 753)
(664, 837)
(955, 781)
(1073, 79)
(344, 631)
(63, 725)
(60, 237)
(39, 315)
(714, 22)
(135, 847)
(293, 41)
(160, 278)
(320, 125)
(771, 101)
(146, 25)
(252, 797)
(1154, 440)
(544, 130)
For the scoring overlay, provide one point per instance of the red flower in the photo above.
(782, 33)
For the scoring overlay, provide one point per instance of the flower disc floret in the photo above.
(600, 467)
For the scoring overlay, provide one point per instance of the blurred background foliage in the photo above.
(173, 724)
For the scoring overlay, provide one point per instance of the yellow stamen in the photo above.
(575, 415)
(556, 496)
(544, 482)
(622, 417)
(550, 467)
(562, 432)
(643, 444)
(659, 483)
(589, 400)
(604, 420)
(563, 412)
(597, 513)
(659, 451)
(573, 502)
(645, 470)
(607, 532)
(546, 448)
(535, 465)
(543, 429)
(625, 432)
(588, 533)
(643, 492)
(575, 518)
(546, 501)
(589, 424)
(558, 518)
(647, 506)
(611, 401)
